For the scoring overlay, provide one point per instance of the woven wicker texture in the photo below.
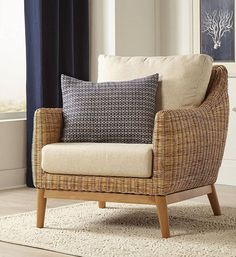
(188, 148)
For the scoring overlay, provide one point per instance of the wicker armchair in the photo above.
(188, 146)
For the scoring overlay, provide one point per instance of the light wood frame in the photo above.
(161, 202)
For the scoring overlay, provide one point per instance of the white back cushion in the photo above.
(183, 79)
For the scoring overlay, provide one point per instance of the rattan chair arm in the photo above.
(48, 124)
(189, 143)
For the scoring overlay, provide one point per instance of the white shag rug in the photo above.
(126, 230)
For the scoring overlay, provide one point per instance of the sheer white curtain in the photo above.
(12, 56)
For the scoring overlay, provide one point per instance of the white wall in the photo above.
(102, 32)
(96, 35)
(12, 153)
(135, 27)
(176, 27)
(122, 27)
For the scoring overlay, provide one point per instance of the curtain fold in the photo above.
(57, 42)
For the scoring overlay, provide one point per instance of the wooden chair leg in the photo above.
(41, 208)
(162, 212)
(101, 204)
(214, 201)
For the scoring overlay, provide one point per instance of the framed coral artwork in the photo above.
(214, 31)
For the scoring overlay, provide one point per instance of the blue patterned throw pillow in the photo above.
(109, 112)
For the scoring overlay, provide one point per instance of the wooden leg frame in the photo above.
(161, 202)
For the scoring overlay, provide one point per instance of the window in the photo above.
(12, 57)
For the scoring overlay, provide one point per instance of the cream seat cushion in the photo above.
(183, 79)
(100, 159)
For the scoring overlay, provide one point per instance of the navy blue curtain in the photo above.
(57, 41)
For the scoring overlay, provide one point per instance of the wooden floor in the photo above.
(23, 200)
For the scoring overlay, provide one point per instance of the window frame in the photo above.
(4, 116)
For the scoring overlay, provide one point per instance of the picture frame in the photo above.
(214, 31)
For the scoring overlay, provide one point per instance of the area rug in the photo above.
(126, 230)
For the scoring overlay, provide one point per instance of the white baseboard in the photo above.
(12, 178)
(227, 173)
